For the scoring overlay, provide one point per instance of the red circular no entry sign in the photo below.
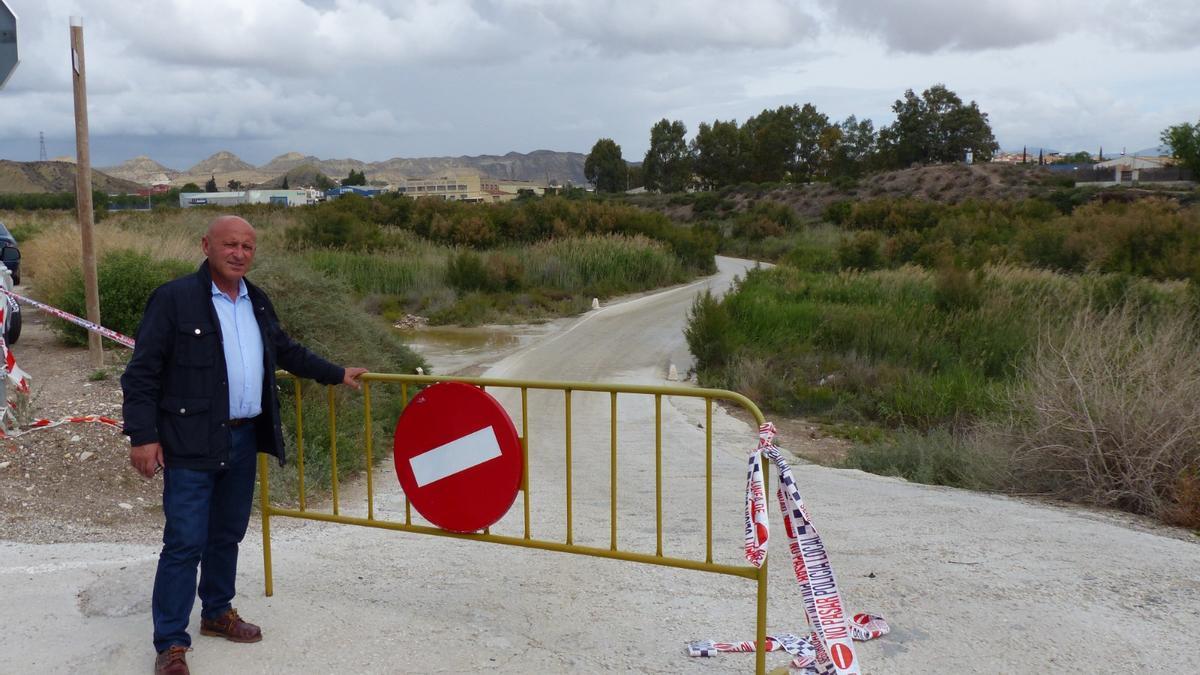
(458, 457)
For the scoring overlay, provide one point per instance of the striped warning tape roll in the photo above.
(829, 650)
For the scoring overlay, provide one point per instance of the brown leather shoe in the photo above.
(171, 661)
(231, 627)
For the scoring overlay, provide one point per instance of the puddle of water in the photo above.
(454, 349)
(444, 338)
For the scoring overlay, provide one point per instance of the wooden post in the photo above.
(83, 190)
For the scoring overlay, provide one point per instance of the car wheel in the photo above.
(14, 329)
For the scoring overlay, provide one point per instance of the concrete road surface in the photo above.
(971, 583)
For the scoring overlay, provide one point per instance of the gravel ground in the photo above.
(71, 482)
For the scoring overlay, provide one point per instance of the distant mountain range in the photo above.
(540, 166)
(54, 176)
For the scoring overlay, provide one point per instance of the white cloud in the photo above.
(926, 26)
(382, 78)
(683, 27)
(931, 25)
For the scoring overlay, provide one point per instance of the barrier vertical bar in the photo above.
(525, 452)
(369, 445)
(708, 477)
(264, 505)
(760, 629)
(296, 387)
(333, 446)
(612, 434)
(403, 406)
(567, 393)
(658, 549)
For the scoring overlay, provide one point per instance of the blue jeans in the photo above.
(207, 513)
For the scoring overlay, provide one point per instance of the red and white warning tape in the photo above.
(830, 648)
(862, 627)
(49, 424)
(78, 321)
(19, 379)
(16, 377)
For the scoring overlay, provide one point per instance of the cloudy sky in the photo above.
(372, 79)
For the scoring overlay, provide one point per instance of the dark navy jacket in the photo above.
(175, 386)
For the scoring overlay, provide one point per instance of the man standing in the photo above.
(200, 402)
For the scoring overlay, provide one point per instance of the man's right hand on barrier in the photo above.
(147, 459)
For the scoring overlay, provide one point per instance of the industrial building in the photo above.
(283, 197)
(461, 187)
(360, 190)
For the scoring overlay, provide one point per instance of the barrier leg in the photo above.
(264, 505)
(760, 631)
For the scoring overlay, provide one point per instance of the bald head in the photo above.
(223, 223)
(229, 246)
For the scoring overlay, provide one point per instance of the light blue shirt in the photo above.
(243, 347)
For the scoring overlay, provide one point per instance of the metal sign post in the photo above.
(8, 43)
(83, 190)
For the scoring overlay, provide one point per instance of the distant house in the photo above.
(1130, 162)
(1132, 170)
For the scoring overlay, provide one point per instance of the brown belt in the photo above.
(240, 421)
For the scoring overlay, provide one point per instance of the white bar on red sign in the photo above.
(458, 455)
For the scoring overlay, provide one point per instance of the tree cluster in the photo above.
(799, 143)
(1184, 141)
(605, 168)
(355, 178)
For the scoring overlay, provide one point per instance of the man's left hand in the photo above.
(350, 377)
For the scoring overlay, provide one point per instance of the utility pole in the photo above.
(83, 190)
(41, 146)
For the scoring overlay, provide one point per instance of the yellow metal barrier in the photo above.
(759, 575)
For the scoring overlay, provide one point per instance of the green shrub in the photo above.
(860, 252)
(844, 183)
(935, 458)
(706, 202)
(838, 213)
(125, 279)
(709, 332)
(956, 289)
(326, 225)
(466, 272)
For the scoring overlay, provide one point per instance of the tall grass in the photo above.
(461, 285)
(908, 347)
(1105, 412)
(51, 258)
(381, 272)
(602, 265)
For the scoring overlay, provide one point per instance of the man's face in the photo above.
(229, 247)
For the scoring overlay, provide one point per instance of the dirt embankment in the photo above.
(946, 183)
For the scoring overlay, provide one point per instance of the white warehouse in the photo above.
(284, 197)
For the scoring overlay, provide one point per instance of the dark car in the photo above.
(14, 266)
